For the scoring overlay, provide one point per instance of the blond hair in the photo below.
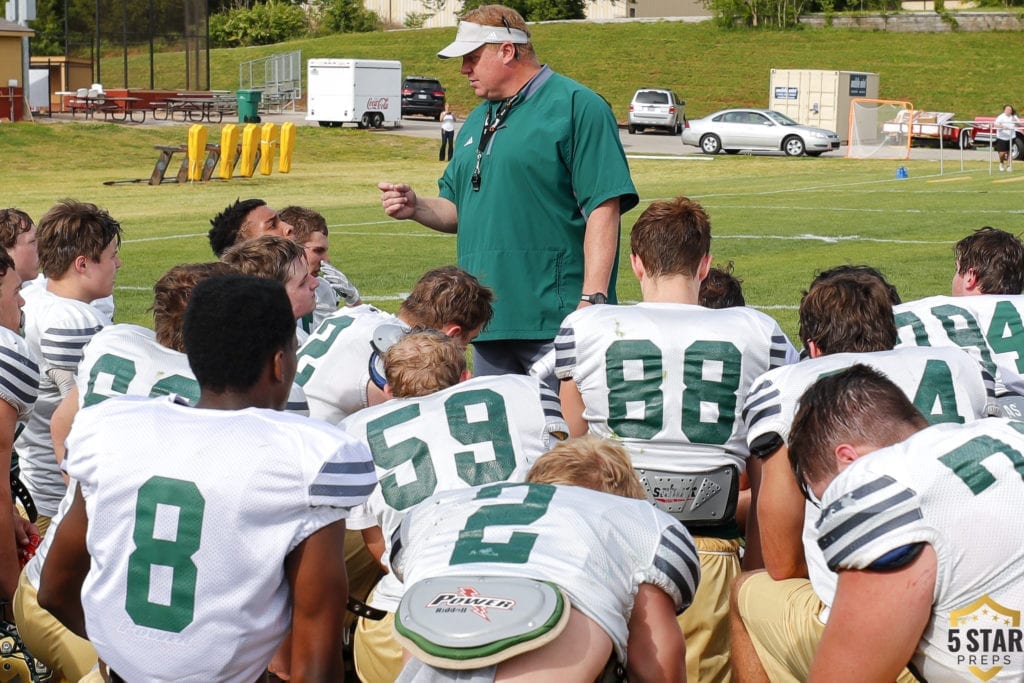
(590, 462)
(268, 256)
(505, 17)
(422, 363)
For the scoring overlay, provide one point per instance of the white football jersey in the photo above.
(19, 374)
(958, 488)
(944, 383)
(334, 363)
(56, 331)
(127, 359)
(667, 380)
(988, 326)
(192, 513)
(598, 548)
(481, 431)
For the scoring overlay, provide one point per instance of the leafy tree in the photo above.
(537, 10)
(347, 16)
(266, 23)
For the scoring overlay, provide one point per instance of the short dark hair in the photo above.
(721, 289)
(448, 295)
(848, 309)
(170, 298)
(71, 229)
(228, 222)
(671, 237)
(13, 222)
(234, 324)
(858, 405)
(304, 222)
(995, 256)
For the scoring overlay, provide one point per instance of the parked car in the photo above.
(656, 108)
(424, 96)
(733, 130)
(983, 134)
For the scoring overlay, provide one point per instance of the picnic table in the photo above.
(209, 108)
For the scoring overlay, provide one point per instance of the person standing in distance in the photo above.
(1006, 128)
(447, 133)
(534, 191)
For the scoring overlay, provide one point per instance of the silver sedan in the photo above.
(733, 130)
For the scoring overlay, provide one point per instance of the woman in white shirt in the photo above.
(447, 133)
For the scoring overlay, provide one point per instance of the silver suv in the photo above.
(656, 108)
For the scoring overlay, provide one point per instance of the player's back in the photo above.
(987, 326)
(958, 488)
(484, 430)
(127, 359)
(334, 362)
(667, 380)
(595, 546)
(203, 595)
(944, 383)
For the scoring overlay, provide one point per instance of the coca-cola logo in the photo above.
(377, 103)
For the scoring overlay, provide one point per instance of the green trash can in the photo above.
(248, 105)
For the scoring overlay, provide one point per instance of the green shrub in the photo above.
(347, 16)
(273, 22)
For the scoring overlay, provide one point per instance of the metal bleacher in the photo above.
(278, 77)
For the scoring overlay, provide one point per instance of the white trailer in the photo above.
(366, 92)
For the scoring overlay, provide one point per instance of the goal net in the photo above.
(880, 129)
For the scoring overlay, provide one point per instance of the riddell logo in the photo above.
(468, 598)
(984, 637)
(377, 103)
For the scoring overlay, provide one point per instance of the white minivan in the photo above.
(656, 108)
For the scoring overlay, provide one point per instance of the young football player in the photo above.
(204, 492)
(923, 515)
(666, 378)
(78, 254)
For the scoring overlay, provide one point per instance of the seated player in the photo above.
(119, 360)
(78, 254)
(18, 238)
(442, 431)
(921, 515)
(721, 289)
(581, 524)
(310, 232)
(338, 364)
(19, 385)
(666, 378)
(985, 315)
(245, 220)
(252, 540)
(845, 318)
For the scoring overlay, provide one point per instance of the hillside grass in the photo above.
(779, 219)
(711, 68)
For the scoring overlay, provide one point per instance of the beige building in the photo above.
(12, 68)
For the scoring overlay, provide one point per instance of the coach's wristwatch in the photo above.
(596, 298)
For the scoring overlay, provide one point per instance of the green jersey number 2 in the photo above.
(168, 549)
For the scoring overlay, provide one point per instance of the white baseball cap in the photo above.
(470, 36)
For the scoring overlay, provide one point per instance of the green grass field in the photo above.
(779, 219)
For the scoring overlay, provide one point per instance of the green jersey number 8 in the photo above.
(170, 549)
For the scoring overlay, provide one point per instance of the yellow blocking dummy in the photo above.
(287, 145)
(250, 146)
(268, 141)
(228, 151)
(196, 151)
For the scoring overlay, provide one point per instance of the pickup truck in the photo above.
(983, 134)
(929, 125)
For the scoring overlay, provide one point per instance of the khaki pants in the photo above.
(378, 655)
(705, 623)
(69, 656)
